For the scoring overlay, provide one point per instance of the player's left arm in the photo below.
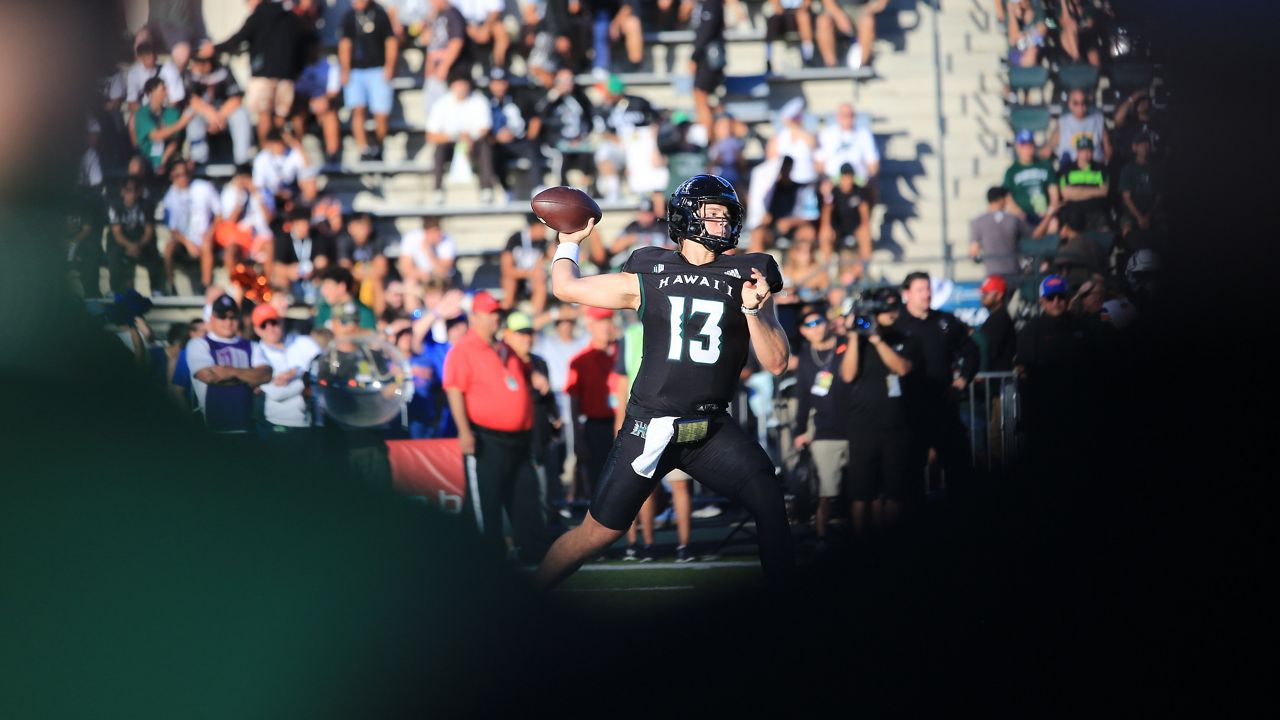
(767, 336)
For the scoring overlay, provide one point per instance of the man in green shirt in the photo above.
(336, 288)
(158, 126)
(1032, 184)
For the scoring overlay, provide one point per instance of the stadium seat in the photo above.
(1029, 117)
(1129, 76)
(488, 276)
(1024, 79)
(1043, 249)
(1077, 76)
(1105, 240)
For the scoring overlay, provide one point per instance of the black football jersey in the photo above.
(695, 335)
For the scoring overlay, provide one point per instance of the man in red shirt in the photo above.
(590, 399)
(488, 389)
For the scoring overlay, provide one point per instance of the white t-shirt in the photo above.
(453, 118)
(475, 11)
(285, 404)
(139, 75)
(199, 357)
(837, 146)
(251, 214)
(272, 172)
(193, 210)
(792, 144)
(558, 353)
(413, 244)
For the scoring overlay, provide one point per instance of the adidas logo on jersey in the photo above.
(733, 272)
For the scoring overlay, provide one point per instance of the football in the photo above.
(564, 209)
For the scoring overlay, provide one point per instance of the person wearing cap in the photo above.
(368, 51)
(1053, 360)
(1085, 186)
(997, 330)
(877, 366)
(514, 124)
(591, 402)
(522, 272)
(338, 286)
(489, 392)
(1081, 121)
(647, 230)
(218, 103)
(225, 368)
(1032, 184)
(286, 410)
(518, 332)
(820, 393)
(845, 221)
(461, 120)
(994, 235)
(948, 361)
(1141, 192)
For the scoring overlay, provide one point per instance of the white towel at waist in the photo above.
(656, 439)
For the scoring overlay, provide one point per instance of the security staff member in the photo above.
(948, 363)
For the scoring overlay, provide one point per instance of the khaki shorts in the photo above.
(267, 94)
(829, 458)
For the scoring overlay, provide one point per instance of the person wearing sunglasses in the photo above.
(1081, 120)
(817, 393)
(286, 414)
(1053, 360)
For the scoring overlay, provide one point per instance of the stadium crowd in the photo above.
(286, 269)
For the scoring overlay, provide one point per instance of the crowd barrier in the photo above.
(993, 410)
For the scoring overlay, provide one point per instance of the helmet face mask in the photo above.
(683, 212)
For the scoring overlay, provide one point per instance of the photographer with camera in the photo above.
(881, 468)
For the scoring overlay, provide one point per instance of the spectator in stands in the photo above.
(489, 394)
(286, 419)
(997, 329)
(217, 102)
(994, 236)
(513, 124)
(845, 221)
(790, 16)
(338, 288)
(1090, 298)
(441, 326)
(151, 187)
(179, 374)
(318, 94)
(244, 229)
(569, 25)
(647, 230)
(783, 220)
(793, 140)
(275, 38)
(225, 368)
(425, 254)
(1084, 186)
(1032, 184)
(566, 127)
(1026, 32)
(1079, 255)
(854, 19)
(485, 29)
(881, 365)
(147, 68)
(281, 170)
(709, 57)
(662, 15)
(806, 273)
(626, 128)
(1141, 191)
(518, 333)
(460, 122)
(1134, 117)
(132, 242)
(1052, 355)
(368, 52)
(449, 55)
(819, 393)
(190, 209)
(948, 360)
(558, 346)
(844, 142)
(361, 251)
(158, 126)
(587, 386)
(1082, 121)
(523, 273)
(726, 153)
(298, 255)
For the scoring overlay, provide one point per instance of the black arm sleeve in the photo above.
(235, 43)
(804, 381)
(962, 344)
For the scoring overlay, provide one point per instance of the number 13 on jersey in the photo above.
(704, 344)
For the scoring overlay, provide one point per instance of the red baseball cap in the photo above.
(263, 313)
(596, 313)
(483, 302)
(993, 283)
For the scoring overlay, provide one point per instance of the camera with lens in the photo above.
(862, 308)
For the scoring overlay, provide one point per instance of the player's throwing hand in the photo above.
(755, 291)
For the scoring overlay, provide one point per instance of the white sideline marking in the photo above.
(632, 589)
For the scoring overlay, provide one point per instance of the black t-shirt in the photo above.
(1001, 340)
(214, 87)
(566, 118)
(133, 221)
(818, 387)
(287, 249)
(544, 411)
(347, 249)
(845, 210)
(526, 251)
(877, 399)
(942, 341)
(368, 32)
(708, 42)
(448, 26)
(628, 112)
(695, 335)
(1056, 353)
